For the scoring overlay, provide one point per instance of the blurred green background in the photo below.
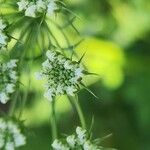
(117, 45)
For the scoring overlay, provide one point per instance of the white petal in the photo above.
(22, 5)
(70, 90)
(19, 140)
(3, 98)
(39, 75)
(71, 140)
(81, 133)
(79, 72)
(50, 55)
(49, 94)
(9, 146)
(10, 88)
(68, 65)
(12, 63)
(41, 5)
(3, 39)
(57, 145)
(31, 11)
(51, 8)
(46, 64)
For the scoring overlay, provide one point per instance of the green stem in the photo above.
(53, 121)
(25, 94)
(13, 104)
(23, 104)
(79, 110)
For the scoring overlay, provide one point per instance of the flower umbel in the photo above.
(8, 79)
(62, 75)
(38, 7)
(78, 141)
(10, 135)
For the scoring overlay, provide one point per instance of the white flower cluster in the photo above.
(33, 9)
(8, 79)
(62, 74)
(3, 35)
(78, 141)
(10, 135)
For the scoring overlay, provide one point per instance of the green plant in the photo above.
(27, 33)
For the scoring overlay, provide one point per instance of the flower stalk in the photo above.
(13, 104)
(53, 121)
(75, 101)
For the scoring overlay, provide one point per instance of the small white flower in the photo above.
(70, 90)
(2, 25)
(64, 147)
(59, 90)
(3, 39)
(41, 5)
(31, 10)
(22, 5)
(13, 128)
(61, 59)
(13, 75)
(71, 141)
(19, 140)
(9, 146)
(11, 135)
(50, 55)
(46, 64)
(88, 146)
(3, 98)
(39, 75)
(81, 133)
(79, 72)
(10, 88)
(51, 8)
(67, 64)
(57, 145)
(12, 63)
(74, 80)
(49, 94)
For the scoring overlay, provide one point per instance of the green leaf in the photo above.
(89, 91)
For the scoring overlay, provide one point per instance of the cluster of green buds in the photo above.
(37, 8)
(3, 35)
(78, 141)
(8, 79)
(11, 136)
(63, 76)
